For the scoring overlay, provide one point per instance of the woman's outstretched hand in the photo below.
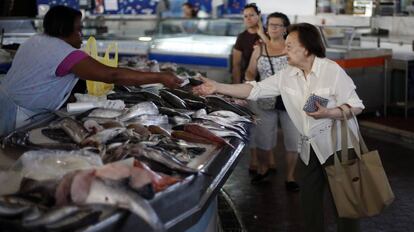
(208, 87)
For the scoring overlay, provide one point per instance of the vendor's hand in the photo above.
(208, 87)
(170, 80)
(322, 112)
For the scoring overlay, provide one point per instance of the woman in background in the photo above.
(241, 54)
(268, 59)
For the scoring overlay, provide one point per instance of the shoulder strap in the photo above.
(270, 61)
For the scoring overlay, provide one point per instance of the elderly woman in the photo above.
(47, 66)
(308, 72)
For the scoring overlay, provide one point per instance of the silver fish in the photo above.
(7, 209)
(73, 128)
(102, 137)
(230, 115)
(76, 220)
(178, 120)
(160, 155)
(117, 194)
(151, 120)
(105, 113)
(51, 216)
(143, 108)
(32, 213)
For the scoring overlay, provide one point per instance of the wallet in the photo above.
(310, 105)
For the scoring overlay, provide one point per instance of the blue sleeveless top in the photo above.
(31, 82)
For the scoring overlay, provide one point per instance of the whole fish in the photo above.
(51, 216)
(158, 130)
(128, 98)
(186, 136)
(173, 99)
(117, 194)
(186, 95)
(177, 120)
(230, 115)
(8, 209)
(219, 123)
(143, 108)
(172, 112)
(225, 133)
(151, 120)
(140, 129)
(102, 137)
(73, 128)
(92, 126)
(160, 156)
(194, 105)
(57, 134)
(201, 131)
(149, 96)
(77, 220)
(105, 113)
(219, 103)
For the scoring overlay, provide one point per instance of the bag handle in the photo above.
(90, 47)
(114, 47)
(344, 142)
(344, 152)
(358, 145)
(364, 147)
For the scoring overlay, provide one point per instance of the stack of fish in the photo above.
(162, 132)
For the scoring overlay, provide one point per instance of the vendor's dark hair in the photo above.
(309, 37)
(285, 19)
(59, 21)
(253, 6)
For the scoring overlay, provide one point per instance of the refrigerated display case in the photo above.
(366, 66)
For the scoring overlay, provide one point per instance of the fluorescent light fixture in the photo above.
(144, 38)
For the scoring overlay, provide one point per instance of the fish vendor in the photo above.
(48, 65)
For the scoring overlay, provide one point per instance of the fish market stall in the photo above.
(151, 159)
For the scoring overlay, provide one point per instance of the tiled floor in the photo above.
(269, 207)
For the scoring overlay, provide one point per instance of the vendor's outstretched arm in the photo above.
(90, 69)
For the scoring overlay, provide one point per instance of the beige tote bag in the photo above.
(359, 187)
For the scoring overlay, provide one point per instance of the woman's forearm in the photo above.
(336, 113)
(234, 90)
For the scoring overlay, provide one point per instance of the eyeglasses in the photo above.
(276, 26)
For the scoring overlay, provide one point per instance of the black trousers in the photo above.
(313, 185)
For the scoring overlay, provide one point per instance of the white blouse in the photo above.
(326, 79)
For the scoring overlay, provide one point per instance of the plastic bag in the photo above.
(54, 164)
(97, 88)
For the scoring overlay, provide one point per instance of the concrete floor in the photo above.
(269, 207)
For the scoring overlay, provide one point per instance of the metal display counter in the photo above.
(181, 205)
